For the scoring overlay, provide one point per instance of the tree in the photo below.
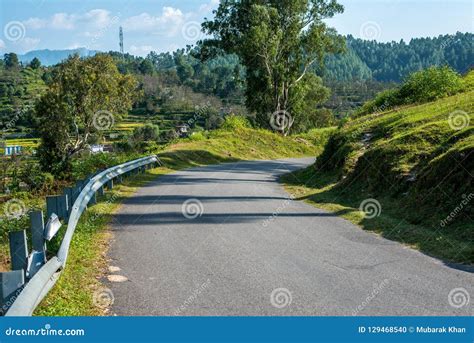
(11, 61)
(146, 67)
(84, 98)
(278, 42)
(35, 63)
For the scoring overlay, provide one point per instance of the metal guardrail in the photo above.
(28, 296)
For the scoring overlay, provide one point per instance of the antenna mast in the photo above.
(121, 40)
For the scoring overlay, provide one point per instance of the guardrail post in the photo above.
(57, 204)
(110, 184)
(72, 194)
(18, 250)
(100, 192)
(37, 231)
(93, 199)
(119, 179)
(10, 283)
(80, 184)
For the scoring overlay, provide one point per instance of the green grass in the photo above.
(414, 164)
(73, 294)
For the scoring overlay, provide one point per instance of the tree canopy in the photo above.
(83, 99)
(278, 42)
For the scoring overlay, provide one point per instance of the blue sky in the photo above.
(165, 25)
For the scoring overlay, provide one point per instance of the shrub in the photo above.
(35, 179)
(197, 136)
(430, 84)
(234, 122)
(148, 132)
(420, 87)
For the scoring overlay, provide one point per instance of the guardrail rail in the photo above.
(32, 275)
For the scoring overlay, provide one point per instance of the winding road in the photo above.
(227, 240)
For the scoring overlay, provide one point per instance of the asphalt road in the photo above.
(253, 251)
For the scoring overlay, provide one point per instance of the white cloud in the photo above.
(206, 8)
(62, 21)
(35, 23)
(168, 22)
(2, 44)
(96, 18)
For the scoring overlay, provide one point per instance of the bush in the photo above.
(197, 136)
(88, 165)
(234, 122)
(148, 132)
(430, 84)
(383, 101)
(35, 179)
(420, 87)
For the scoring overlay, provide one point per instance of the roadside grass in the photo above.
(322, 190)
(415, 163)
(87, 264)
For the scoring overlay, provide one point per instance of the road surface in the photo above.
(227, 240)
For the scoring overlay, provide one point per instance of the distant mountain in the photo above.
(52, 57)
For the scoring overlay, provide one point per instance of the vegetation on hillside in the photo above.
(416, 162)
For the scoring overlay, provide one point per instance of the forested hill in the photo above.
(392, 62)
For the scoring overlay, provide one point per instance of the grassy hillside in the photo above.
(243, 144)
(416, 162)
